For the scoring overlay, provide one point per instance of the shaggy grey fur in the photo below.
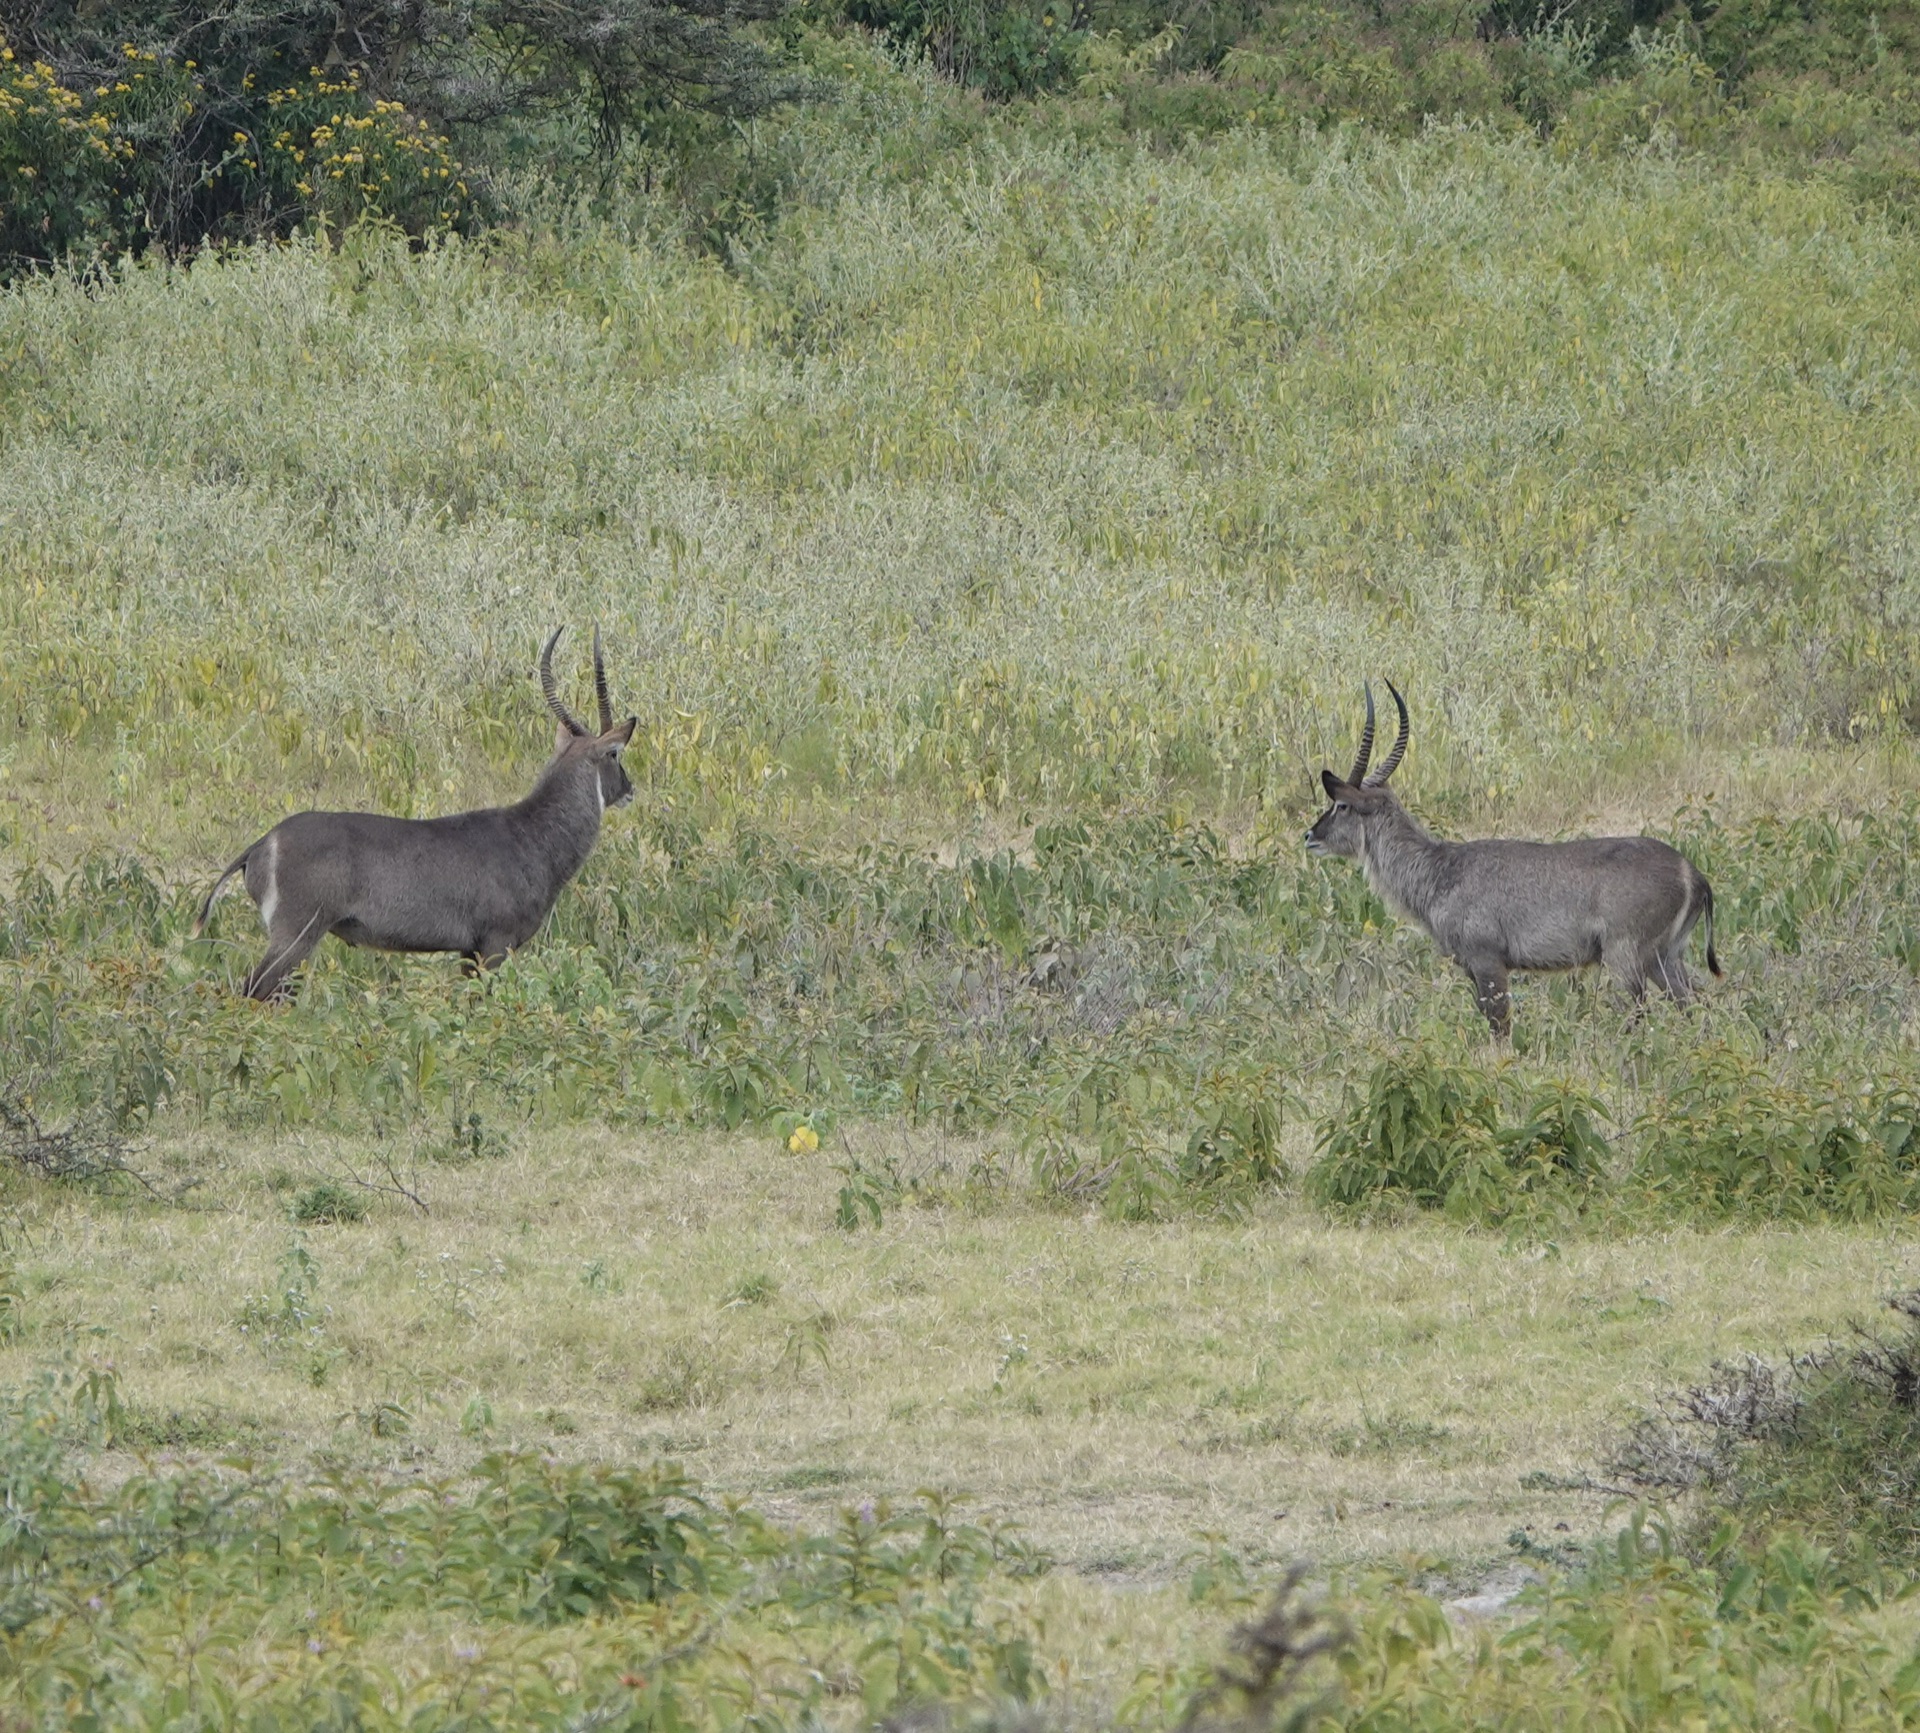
(477, 883)
(1628, 902)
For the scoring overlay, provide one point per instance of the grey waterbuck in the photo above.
(1626, 901)
(479, 883)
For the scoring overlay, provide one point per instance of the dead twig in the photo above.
(392, 1185)
(80, 1151)
(1266, 1685)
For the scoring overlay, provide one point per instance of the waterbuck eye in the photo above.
(1339, 806)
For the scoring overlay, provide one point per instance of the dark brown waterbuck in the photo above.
(1494, 907)
(477, 883)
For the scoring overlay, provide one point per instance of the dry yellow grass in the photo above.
(1293, 1386)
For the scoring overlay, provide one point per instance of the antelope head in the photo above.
(1341, 829)
(575, 742)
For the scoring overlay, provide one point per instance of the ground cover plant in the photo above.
(321, 1420)
(951, 1076)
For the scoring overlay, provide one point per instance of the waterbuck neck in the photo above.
(560, 817)
(1403, 863)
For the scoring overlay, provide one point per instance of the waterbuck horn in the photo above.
(1379, 777)
(600, 685)
(562, 714)
(1366, 744)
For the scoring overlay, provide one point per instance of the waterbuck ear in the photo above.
(617, 738)
(563, 737)
(1336, 789)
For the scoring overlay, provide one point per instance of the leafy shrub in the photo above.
(472, 1137)
(1729, 1140)
(1236, 1143)
(1646, 1635)
(1672, 93)
(150, 146)
(867, 1191)
(1542, 72)
(1557, 1135)
(328, 1201)
(140, 123)
(1457, 81)
(60, 166)
(1418, 1124)
(1006, 48)
(1432, 1133)
(326, 148)
(1321, 64)
(1607, 24)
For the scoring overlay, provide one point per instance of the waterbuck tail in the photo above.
(206, 908)
(1706, 902)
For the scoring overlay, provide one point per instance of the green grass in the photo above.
(1168, 1413)
(992, 544)
(1114, 1387)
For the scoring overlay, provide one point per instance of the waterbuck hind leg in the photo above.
(1669, 973)
(1490, 993)
(288, 946)
(1630, 965)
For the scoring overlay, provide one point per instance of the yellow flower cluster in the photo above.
(31, 93)
(326, 141)
(369, 155)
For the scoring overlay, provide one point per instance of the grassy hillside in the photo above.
(921, 496)
(991, 527)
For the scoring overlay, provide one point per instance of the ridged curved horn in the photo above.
(1366, 744)
(562, 714)
(1379, 778)
(600, 684)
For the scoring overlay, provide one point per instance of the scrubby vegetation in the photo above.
(995, 443)
(626, 1597)
(129, 125)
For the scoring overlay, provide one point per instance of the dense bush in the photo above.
(1415, 1129)
(61, 164)
(1825, 1444)
(1428, 1131)
(145, 121)
(1725, 1138)
(135, 123)
(154, 149)
(1005, 47)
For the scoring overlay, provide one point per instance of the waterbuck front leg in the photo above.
(1489, 978)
